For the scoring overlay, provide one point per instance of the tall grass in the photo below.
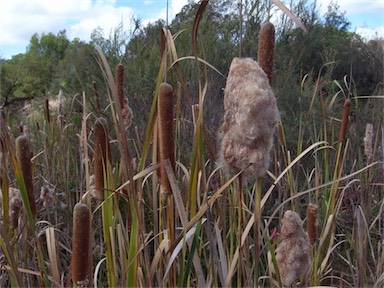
(161, 220)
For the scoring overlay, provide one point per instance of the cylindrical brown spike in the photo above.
(166, 143)
(312, 222)
(266, 48)
(102, 155)
(80, 244)
(344, 120)
(46, 111)
(23, 155)
(120, 83)
(165, 110)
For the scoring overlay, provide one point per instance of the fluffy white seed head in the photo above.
(251, 115)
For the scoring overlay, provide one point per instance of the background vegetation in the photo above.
(58, 88)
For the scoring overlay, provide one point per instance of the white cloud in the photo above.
(369, 34)
(101, 15)
(21, 19)
(366, 16)
(360, 6)
(174, 7)
(353, 6)
(177, 5)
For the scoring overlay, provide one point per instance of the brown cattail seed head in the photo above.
(293, 253)
(165, 112)
(368, 150)
(23, 155)
(126, 111)
(46, 111)
(312, 222)
(250, 118)
(344, 120)
(102, 155)
(266, 48)
(80, 244)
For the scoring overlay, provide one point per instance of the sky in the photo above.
(20, 19)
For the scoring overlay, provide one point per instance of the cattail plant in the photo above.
(293, 252)
(344, 120)
(250, 118)
(166, 149)
(46, 111)
(23, 155)
(80, 244)
(312, 222)
(266, 46)
(102, 155)
(126, 111)
(165, 108)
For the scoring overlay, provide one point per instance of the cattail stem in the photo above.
(166, 143)
(80, 244)
(344, 120)
(102, 155)
(23, 155)
(241, 28)
(165, 108)
(266, 46)
(240, 229)
(256, 225)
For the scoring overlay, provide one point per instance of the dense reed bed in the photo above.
(245, 209)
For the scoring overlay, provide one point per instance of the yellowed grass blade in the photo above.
(223, 259)
(179, 247)
(302, 154)
(184, 220)
(139, 175)
(164, 246)
(244, 236)
(97, 269)
(200, 60)
(290, 14)
(52, 253)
